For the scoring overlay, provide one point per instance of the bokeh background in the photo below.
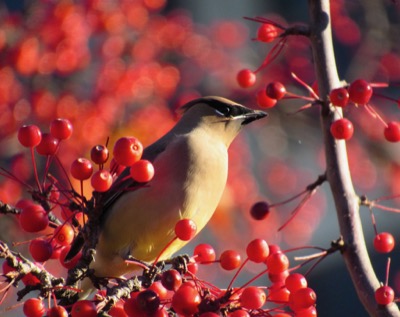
(119, 67)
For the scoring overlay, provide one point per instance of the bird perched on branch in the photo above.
(191, 167)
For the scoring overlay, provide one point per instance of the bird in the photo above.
(191, 168)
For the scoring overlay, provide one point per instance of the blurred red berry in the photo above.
(48, 145)
(40, 249)
(185, 229)
(142, 171)
(267, 33)
(57, 311)
(127, 150)
(81, 169)
(230, 260)
(295, 281)
(99, 154)
(186, 300)
(384, 295)
(61, 129)
(171, 279)
(84, 308)
(339, 97)
(301, 299)
(34, 307)
(277, 263)
(392, 132)
(246, 78)
(264, 101)
(252, 297)
(360, 92)
(260, 210)
(64, 234)
(204, 253)
(257, 250)
(101, 181)
(384, 242)
(29, 135)
(33, 218)
(342, 129)
(275, 90)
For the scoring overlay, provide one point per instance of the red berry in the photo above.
(33, 218)
(160, 290)
(101, 181)
(392, 132)
(230, 260)
(142, 171)
(246, 78)
(339, 97)
(275, 90)
(260, 210)
(384, 295)
(61, 128)
(148, 301)
(342, 129)
(81, 169)
(277, 263)
(309, 312)
(40, 249)
(64, 235)
(263, 101)
(185, 229)
(57, 311)
(48, 145)
(99, 154)
(360, 92)
(267, 33)
(295, 281)
(29, 135)
(84, 308)
(127, 150)
(193, 268)
(239, 313)
(131, 307)
(34, 307)
(278, 293)
(257, 250)
(171, 280)
(186, 300)
(301, 299)
(384, 242)
(279, 277)
(118, 311)
(204, 253)
(72, 263)
(252, 297)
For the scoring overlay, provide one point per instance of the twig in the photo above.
(346, 200)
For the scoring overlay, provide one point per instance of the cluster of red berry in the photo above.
(359, 93)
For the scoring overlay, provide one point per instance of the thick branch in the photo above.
(346, 201)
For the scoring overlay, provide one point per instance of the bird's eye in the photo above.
(223, 111)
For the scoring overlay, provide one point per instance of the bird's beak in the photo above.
(253, 115)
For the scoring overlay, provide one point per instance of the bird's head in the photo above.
(222, 117)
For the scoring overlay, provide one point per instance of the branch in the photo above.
(346, 200)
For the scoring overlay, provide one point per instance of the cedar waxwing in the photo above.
(191, 166)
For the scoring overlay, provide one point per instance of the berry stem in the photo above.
(35, 172)
(375, 114)
(387, 271)
(338, 173)
(237, 273)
